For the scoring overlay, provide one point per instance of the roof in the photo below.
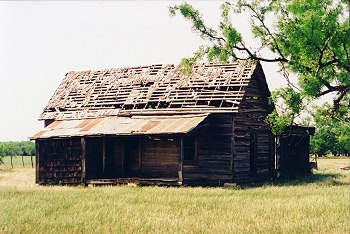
(296, 130)
(156, 89)
(116, 125)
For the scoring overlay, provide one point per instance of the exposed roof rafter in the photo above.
(156, 89)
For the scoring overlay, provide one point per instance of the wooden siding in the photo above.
(212, 165)
(265, 155)
(59, 161)
(160, 157)
(225, 145)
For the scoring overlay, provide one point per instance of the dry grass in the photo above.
(317, 204)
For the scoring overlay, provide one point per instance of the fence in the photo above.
(11, 162)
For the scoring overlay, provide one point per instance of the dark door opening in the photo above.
(93, 158)
(106, 157)
(131, 165)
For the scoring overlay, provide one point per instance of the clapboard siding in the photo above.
(59, 161)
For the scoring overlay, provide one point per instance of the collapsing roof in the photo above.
(116, 125)
(157, 89)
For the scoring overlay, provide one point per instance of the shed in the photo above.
(153, 124)
(292, 152)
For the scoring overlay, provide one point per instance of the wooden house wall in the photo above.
(253, 142)
(160, 158)
(59, 161)
(212, 164)
(235, 147)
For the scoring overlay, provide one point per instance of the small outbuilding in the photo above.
(293, 150)
(153, 124)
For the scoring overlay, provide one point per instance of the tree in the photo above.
(308, 38)
(332, 133)
(1, 154)
(9, 148)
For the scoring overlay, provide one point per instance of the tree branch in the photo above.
(339, 88)
(254, 57)
(346, 52)
(340, 97)
(275, 44)
(320, 65)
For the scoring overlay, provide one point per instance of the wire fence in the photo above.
(12, 162)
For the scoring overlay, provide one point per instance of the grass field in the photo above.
(316, 204)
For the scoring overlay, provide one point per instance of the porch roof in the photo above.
(117, 125)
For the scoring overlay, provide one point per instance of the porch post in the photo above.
(181, 159)
(83, 160)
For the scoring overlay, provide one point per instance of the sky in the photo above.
(41, 41)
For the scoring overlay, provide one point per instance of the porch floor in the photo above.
(136, 180)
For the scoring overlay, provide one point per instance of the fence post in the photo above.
(31, 160)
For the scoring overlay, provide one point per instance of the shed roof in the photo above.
(296, 130)
(116, 125)
(156, 89)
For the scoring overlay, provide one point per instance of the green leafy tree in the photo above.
(332, 132)
(25, 148)
(308, 38)
(8, 148)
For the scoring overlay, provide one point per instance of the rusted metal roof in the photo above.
(116, 125)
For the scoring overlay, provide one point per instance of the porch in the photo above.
(132, 159)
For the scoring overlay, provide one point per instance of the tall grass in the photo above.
(317, 204)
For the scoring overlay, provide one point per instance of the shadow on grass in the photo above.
(324, 178)
(314, 178)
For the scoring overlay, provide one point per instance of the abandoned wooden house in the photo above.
(153, 124)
